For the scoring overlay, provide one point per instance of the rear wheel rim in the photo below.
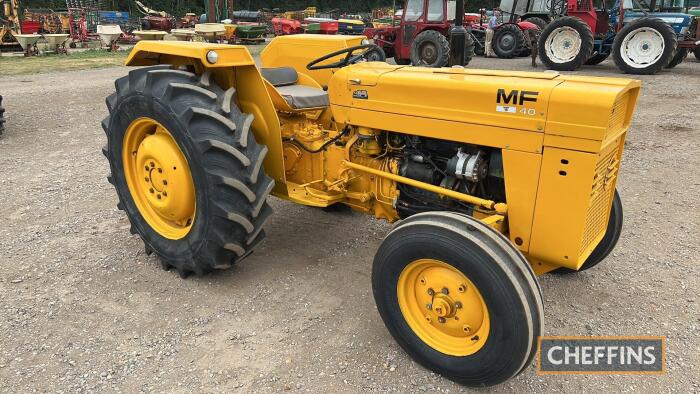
(642, 47)
(159, 178)
(563, 44)
(443, 307)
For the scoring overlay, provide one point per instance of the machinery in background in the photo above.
(155, 20)
(422, 36)
(10, 26)
(641, 42)
(510, 37)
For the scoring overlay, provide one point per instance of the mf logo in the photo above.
(515, 97)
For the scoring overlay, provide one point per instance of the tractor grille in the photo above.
(619, 114)
(601, 196)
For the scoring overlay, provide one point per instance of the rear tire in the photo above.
(696, 52)
(607, 244)
(501, 278)
(508, 41)
(565, 44)
(430, 49)
(644, 46)
(678, 58)
(229, 185)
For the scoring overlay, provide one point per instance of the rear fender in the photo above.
(235, 68)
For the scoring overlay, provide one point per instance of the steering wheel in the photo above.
(369, 52)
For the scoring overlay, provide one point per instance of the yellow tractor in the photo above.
(492, 176)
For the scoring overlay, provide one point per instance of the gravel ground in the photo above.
(84, 309)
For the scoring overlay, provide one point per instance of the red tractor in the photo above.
(425, 34)
(510, 37)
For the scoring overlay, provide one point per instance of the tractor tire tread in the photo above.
(225, 162)
(441, 43)
(518, 35)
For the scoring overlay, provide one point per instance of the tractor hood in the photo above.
(675, 19)
(460, 104)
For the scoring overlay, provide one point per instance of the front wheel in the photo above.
(678, 58)
(644, 46)
(458, 297)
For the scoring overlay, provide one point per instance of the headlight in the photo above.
(365, 42)
(212, 57)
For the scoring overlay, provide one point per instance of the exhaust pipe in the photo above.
(458, 36)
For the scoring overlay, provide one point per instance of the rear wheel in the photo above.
(186, 168)
(565, 44)
(644, 46)
(508, 41)
(430, 49)
(607, 244)
(458, 297)
(678, 58)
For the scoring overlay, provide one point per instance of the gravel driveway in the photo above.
(84, 309)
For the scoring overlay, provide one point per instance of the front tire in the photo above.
(479, 324)
(597, 58)
(430, 49)
(508, 41)
(566, 44)
(186, 168)
(644, 46)
(678, 58)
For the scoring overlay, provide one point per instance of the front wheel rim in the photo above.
(159, 178)
(563, 45)
(642, 47)
(443, 307)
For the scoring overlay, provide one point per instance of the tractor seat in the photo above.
(285, 79)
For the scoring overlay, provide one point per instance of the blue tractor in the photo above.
(640, 40)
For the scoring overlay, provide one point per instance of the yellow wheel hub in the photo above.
(159, 178)
(443, 307)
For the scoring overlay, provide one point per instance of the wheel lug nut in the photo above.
(146, 179)
(441, 320)
(165, 181)
(160, 170)
(466, 328)
(159, 196)
(458, 304)
(429, 306)
(151, 190)
(431, 291)
(152, 164)
(165, 193)
(445, 291)
(147, 168)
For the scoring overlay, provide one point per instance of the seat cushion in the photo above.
(280, 76)
(300, 96)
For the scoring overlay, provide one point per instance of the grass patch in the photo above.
(92, 58)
